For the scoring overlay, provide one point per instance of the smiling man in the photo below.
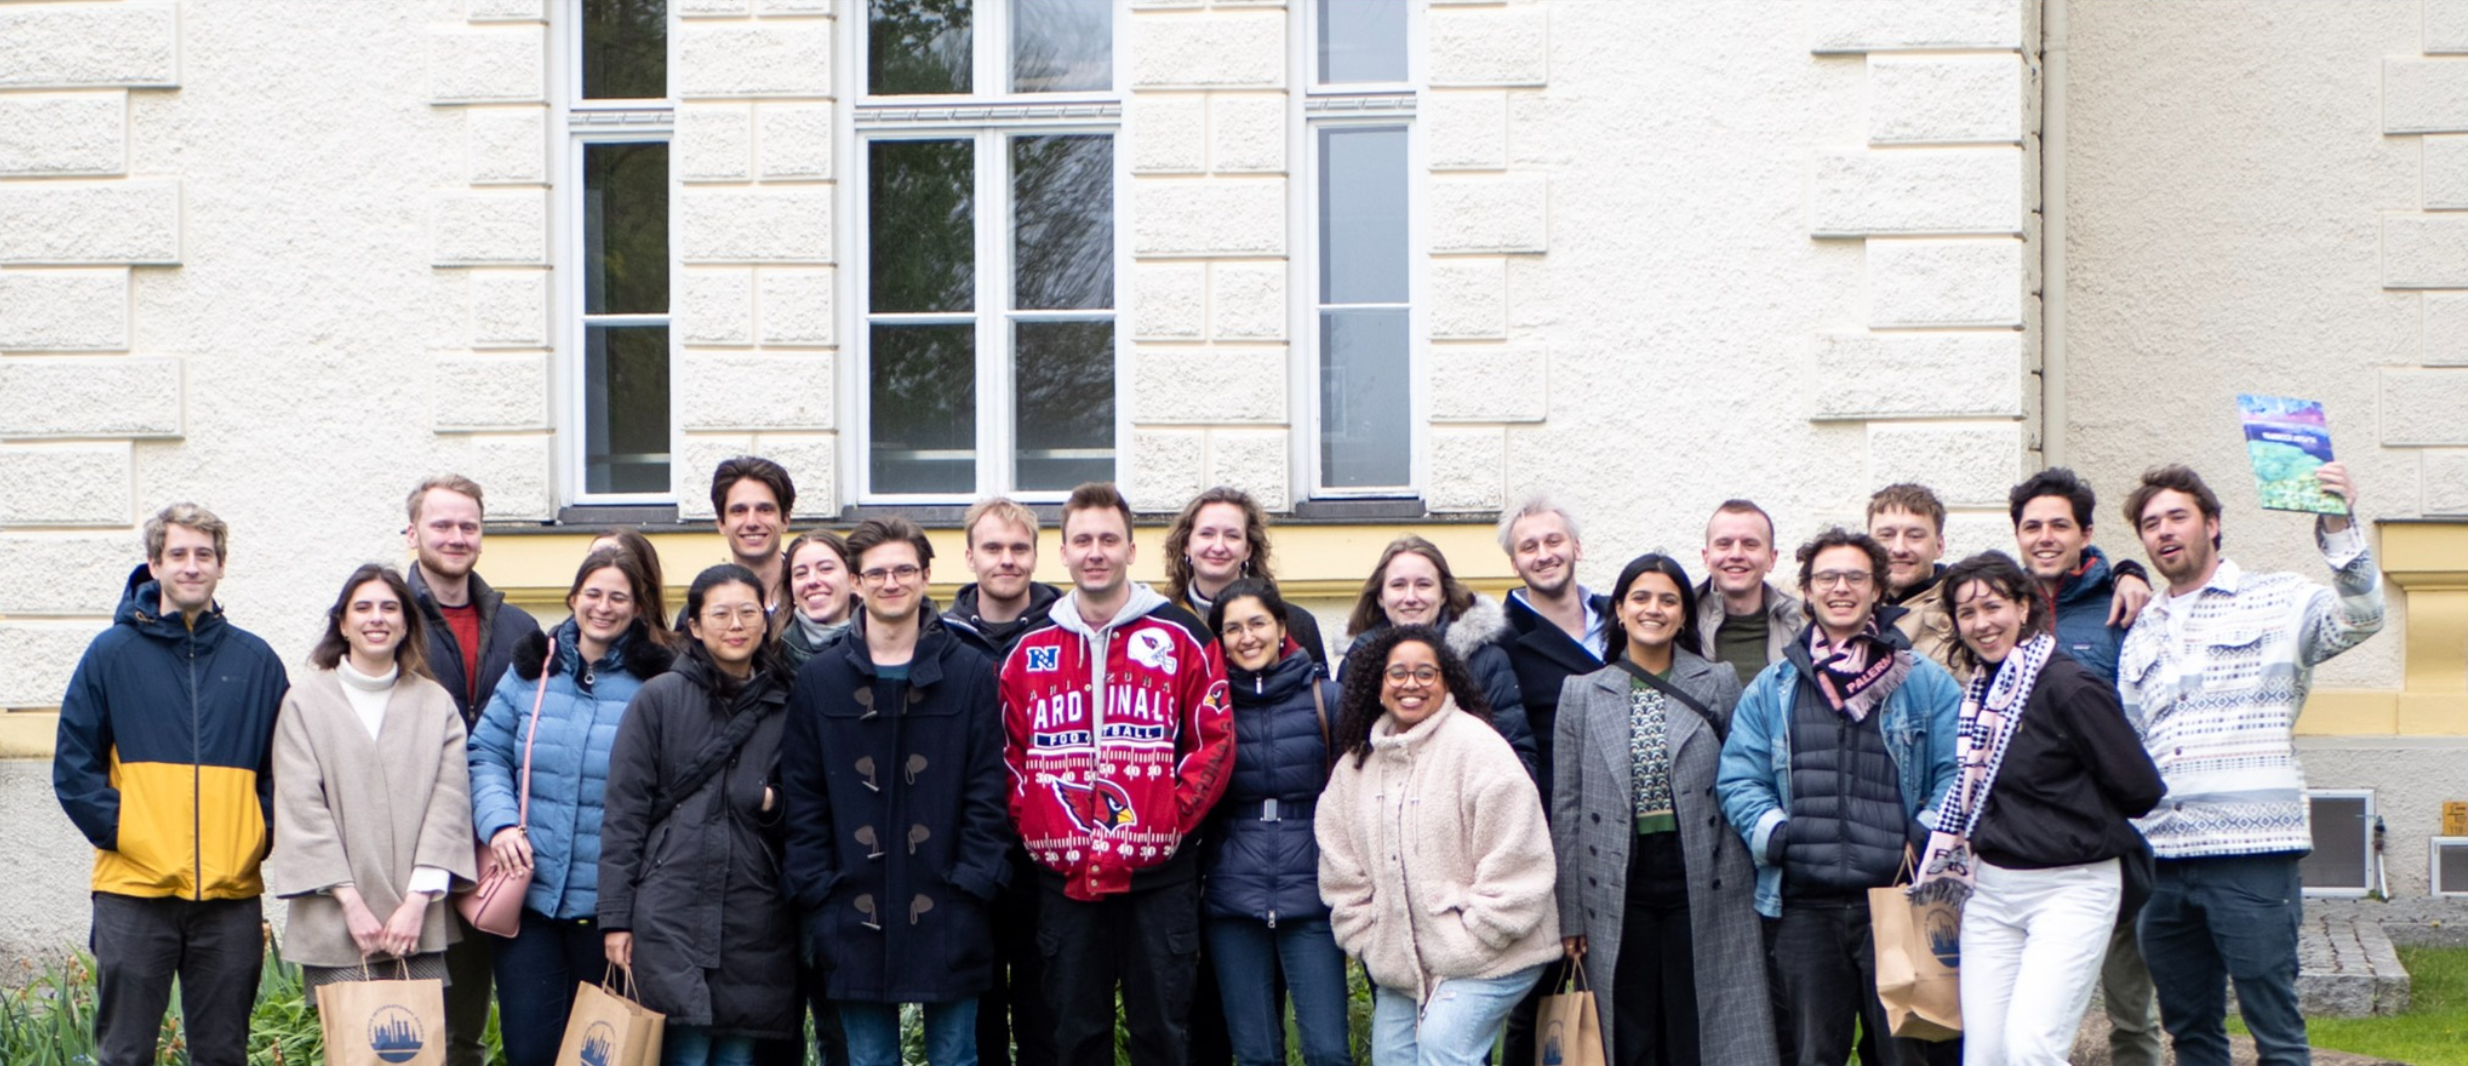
(1119, 739)
(1909, 521)
(1742, 618)
(1839, 756)
(2095, 600)
(1557, 627)
(2214, 675)
(472, 634)
(164, 761)
(752, 499)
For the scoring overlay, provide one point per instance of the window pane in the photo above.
(1362, 40)
(917, 47)
(1061, 45)
(625, 229)
(1362, 214)
(625, 409)
(924, 431)
(1063, 411)
(1364, 400)
(1062, 231)
(922, 207)
(625, 49)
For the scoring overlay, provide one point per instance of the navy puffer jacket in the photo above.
(1270, 870)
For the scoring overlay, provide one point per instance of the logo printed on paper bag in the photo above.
(394, 1034)
(1551, 1055)
(1944, 927)
(598, 1041)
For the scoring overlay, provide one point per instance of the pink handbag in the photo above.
(495, 907)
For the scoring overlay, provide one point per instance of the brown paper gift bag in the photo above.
(1567, 1031)
(608, 1028)
(383, 1022)
(1919, 960)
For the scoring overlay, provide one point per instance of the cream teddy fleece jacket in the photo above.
(1434, 859)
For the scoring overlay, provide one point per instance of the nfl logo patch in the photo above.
(1044, 660)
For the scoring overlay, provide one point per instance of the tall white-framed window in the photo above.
(1358, 63)
(988, 247)
(614, 276)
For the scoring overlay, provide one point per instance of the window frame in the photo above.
(988, 121)
(1369, 104)
(577, 124)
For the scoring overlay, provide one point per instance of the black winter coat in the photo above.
(897, 824)
(1545, 658)
(1479, 638)
(1260, 869)
(504, 628)
(701, 890)
(2073, 774)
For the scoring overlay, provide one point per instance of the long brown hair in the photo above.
(1455, 597)
(638, 582)
(634, 542)
(410, 655)
(1178, 569)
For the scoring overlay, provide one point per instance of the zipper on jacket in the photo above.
(1104, 640)
(197, 785)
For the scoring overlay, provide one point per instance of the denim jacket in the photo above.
(1754, 781)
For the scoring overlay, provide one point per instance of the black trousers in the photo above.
(1145, 942)
(1655, 1021)
(1014, 1011)
(468, 994)
(1824, 959)
(216, 948)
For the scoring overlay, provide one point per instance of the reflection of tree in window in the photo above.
(917, 47)
(625, 223)
(1062, 45)
(1062, 221)
(922, 211)
(625, 49)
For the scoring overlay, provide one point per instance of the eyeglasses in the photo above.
(879, 575)
(1857, 579)
(724, 618)
(1421, 675)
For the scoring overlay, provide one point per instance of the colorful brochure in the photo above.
(2288, 440)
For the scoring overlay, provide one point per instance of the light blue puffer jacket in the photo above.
(579, 714)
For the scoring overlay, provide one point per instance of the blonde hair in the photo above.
(186, 516)
(1002, 509)
(449, 482)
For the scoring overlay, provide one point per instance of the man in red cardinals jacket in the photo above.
(1119, 739)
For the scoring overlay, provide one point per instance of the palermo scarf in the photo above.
(1991, 711)
(1858, 674)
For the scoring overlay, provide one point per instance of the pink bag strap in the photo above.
(522, 816)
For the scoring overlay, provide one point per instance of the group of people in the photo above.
(814, 791)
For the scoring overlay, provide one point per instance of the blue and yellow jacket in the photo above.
(165, 754)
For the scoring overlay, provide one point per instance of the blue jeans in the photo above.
(2211, 921)
(1247, 956)
(1455, 1029)
(536, 975)
(693, 1045)
(874, 1033)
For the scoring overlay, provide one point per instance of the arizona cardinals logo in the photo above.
(1097, 808)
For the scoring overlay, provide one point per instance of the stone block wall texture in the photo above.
(755, 233)
(1210, 134)
(1936, 192)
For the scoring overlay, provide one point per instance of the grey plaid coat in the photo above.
(1592, 825)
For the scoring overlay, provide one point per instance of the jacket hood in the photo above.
(141, 605)
(2091, 581)
(1294, 670)
(1486, 622)
(1143, 601)
(634, 652)
(1041, 597)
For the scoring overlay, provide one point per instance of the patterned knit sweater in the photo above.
(2214, 679)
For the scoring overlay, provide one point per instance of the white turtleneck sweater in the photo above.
(368, 696)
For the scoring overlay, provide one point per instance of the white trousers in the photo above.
(2032, 943)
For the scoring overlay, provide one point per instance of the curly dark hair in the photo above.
(1366, 664)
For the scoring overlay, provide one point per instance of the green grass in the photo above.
(2434, 1031)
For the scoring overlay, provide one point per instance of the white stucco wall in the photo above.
(2233, 193)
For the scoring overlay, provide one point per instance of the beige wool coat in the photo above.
(1434, 859)
(352, 809)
